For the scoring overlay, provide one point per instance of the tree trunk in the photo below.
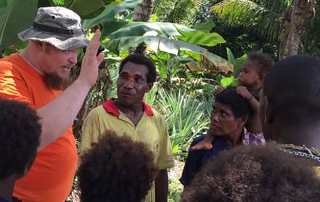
(142, 13)
(293, 26)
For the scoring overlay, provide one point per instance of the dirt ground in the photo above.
(174, 174)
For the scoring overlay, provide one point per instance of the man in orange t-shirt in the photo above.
(38, 76)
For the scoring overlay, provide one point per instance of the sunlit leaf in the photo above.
(109, 13)
(230, 56)
(205, 26)
(153, 18)
(88, 23)
(140, 28)
(200, 37)
(227, 81)
(85, 7)
(219, 64)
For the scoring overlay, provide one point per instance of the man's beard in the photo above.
(56, 82)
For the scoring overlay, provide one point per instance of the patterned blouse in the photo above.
(249, 138)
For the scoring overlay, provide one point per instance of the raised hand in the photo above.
(243, 91)
(219, 89)
(91, 61)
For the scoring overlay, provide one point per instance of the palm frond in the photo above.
(259, 16)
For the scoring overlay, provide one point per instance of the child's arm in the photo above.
(219, 89)
(206, 143)
(254, 124)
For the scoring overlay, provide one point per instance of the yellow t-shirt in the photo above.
(151, 129)
(317, 169)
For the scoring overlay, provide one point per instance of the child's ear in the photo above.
(261, 78)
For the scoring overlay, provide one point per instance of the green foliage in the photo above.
(160, 37)
(200, 37)
(205, 26)
(18, 46)
(310, 39)
(227, 81)
(109, 13)
(187, 116)
(175, 190)
(168, 65)
(85, 8)
(44, 3)
(122, 34)
(172, 10)
(260, 16)
(236, 62)
(249, 35)
(11, 14)
(238, 12)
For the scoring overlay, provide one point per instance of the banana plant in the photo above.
(18, 15)
(118, 34)
(166, 37)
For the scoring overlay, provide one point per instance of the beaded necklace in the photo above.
(302, 151)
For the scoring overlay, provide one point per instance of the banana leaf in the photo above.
(161, 43)
(109, 13)
(85, 7)
(15, 17)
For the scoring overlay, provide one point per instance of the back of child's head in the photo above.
(265, 62)
(116, 169)
(20, 132)
(255, 173)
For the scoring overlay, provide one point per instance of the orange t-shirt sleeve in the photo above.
(10, 82)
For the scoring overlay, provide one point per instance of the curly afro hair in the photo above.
(20, 132)
(255, 174)
(116, 169)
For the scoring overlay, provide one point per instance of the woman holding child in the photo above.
(229, 116)
(234, 117)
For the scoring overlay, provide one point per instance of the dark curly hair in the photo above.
(239, 105)
(255, 174)
(116, 169)
(264, 60)
(20, 132)
(141, 60)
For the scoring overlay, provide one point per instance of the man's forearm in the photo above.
(59, 114)
(161, 186)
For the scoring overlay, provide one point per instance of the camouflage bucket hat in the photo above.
(58, 26)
